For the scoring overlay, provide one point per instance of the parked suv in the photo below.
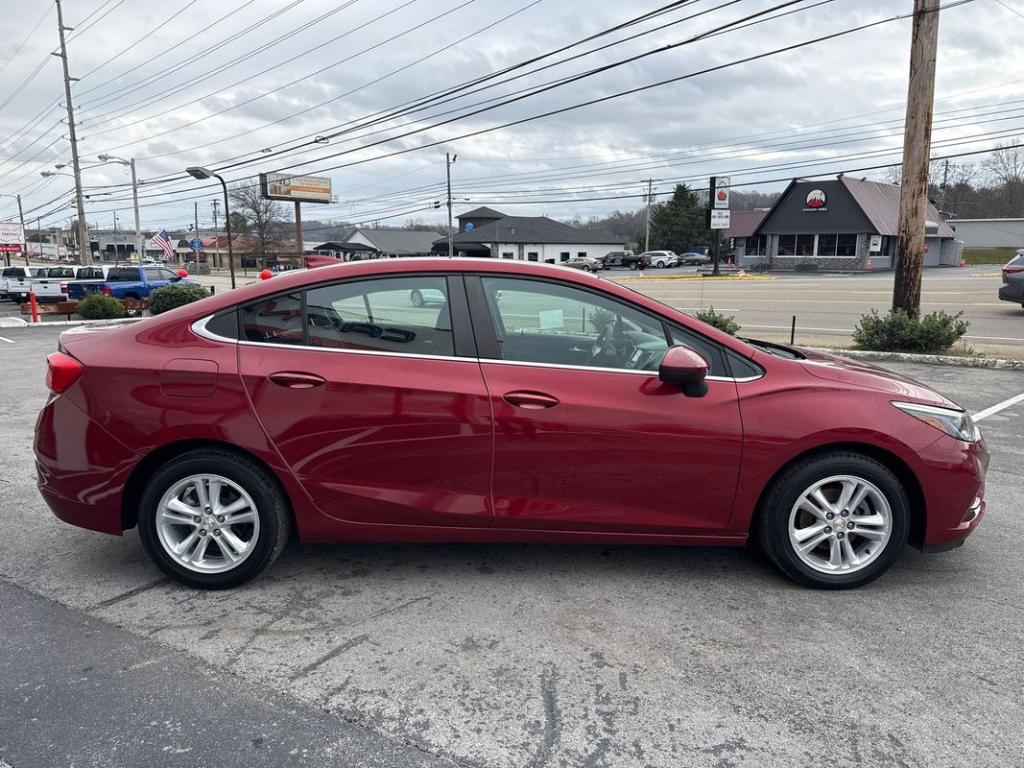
(623, 259)
(1012, 288)
(660, 259)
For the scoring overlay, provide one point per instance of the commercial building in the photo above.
(485, 232)
(841, 224)
(989, 233)
(391, 243)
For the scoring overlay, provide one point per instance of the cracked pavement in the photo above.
(504, 656)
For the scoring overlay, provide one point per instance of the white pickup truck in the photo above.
(49, 284)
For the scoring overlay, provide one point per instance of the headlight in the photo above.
(953, 422)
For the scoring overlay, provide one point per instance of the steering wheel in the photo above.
(610, 346)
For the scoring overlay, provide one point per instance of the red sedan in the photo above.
(478, 400)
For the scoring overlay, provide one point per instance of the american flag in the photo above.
(164, 242)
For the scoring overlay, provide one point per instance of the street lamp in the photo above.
(24, 235)
(196, 172)
(135, 198)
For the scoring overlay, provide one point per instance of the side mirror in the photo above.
(681, 365)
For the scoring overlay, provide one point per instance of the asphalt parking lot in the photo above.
(506, 656)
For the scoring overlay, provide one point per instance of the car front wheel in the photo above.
(835, 521)
(213, 519)
(416, 297)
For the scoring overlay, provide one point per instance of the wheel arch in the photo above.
(144, 470)
(892, 462)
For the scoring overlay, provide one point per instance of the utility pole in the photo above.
(139, 245)
(945, 181)
(449, 162)
(215, 204)
(917, 142)
(647, 226)
(85, 245)
(299, 246)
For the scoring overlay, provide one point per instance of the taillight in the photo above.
(63, 287)
(61, 371)
(107, 291)
(1011, 270)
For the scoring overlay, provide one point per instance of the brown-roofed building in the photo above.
(844, 224)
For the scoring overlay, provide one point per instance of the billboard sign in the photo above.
(296, 189)
(11, 234)
(719, 197)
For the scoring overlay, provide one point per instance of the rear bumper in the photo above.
(81, 468)
(952, 475)
(1012, 292)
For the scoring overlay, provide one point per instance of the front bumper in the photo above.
(952, 475)
(81, 468)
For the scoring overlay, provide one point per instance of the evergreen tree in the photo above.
(679, 224)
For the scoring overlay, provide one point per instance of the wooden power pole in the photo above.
(917, 144)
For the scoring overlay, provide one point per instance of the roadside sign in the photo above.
(719, 219)
(719, 198)
(10, 247)
(195, 244)
(11, 234)
(286, 186)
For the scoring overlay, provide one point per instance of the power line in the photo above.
(27, 37)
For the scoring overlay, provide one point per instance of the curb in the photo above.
(52, 323)
(697, 277)
(909, 357)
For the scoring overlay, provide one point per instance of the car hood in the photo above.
(846, 371)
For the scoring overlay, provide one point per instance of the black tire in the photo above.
(661, 265)
(416, 297)
(271, 505)
(633, 265)
(772, 528)
(586, 267)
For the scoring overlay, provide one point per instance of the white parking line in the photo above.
(4, 338)
(999, 407)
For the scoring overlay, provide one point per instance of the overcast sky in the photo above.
(212, 82)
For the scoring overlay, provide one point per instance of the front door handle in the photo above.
(297, 379)
(531, 401)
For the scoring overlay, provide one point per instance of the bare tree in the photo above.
(264, 218)
(1005, 165)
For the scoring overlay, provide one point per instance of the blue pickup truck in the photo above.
(128, 283)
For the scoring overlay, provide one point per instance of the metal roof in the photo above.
(881, 204)
(483, 212)
(745, 223)
(399, 241)
(533, 229)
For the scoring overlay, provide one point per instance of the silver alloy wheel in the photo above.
(840, 524)
(207, 523)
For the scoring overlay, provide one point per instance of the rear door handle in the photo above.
(531, 401)
(297, 379)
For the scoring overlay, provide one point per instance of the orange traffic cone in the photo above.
(963, 262)
(868, 265)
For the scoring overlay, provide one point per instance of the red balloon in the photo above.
(182, 273)
(266, 274)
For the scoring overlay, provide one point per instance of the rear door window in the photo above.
(123, 275)
(408, 315)
(277, 320)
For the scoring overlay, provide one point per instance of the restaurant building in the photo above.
(841, 224)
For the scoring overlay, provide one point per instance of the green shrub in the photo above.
(722, 322)
(897, 331)
(171, 296)
(96, 306)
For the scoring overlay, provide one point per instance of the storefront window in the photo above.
(827, 245)
(757, 246)
(805, 245)
(846, 245)
(787, 245)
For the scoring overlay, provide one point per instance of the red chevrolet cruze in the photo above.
(479, 400)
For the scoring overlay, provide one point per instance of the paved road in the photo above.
(518, 655)
(827, 306)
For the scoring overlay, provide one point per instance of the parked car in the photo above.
(626, 259)
(321, 402)
(1012, 288)
(660, 259)
(128, 283)
(694, 259)
(16, 281)
(585, 263)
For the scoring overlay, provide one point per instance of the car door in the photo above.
(377, 405)
(586, 435)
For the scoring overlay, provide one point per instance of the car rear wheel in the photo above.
(416, 297)
(834, 521)
(212, 519)
(633, 265)
(661, 265)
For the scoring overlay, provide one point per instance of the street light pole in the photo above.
(85, 245)
(139, 245)
(197, 172)
(449, 162)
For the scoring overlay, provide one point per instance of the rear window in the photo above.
(90, 273)
(14, 272)
(123, 275)
(1016, 261)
